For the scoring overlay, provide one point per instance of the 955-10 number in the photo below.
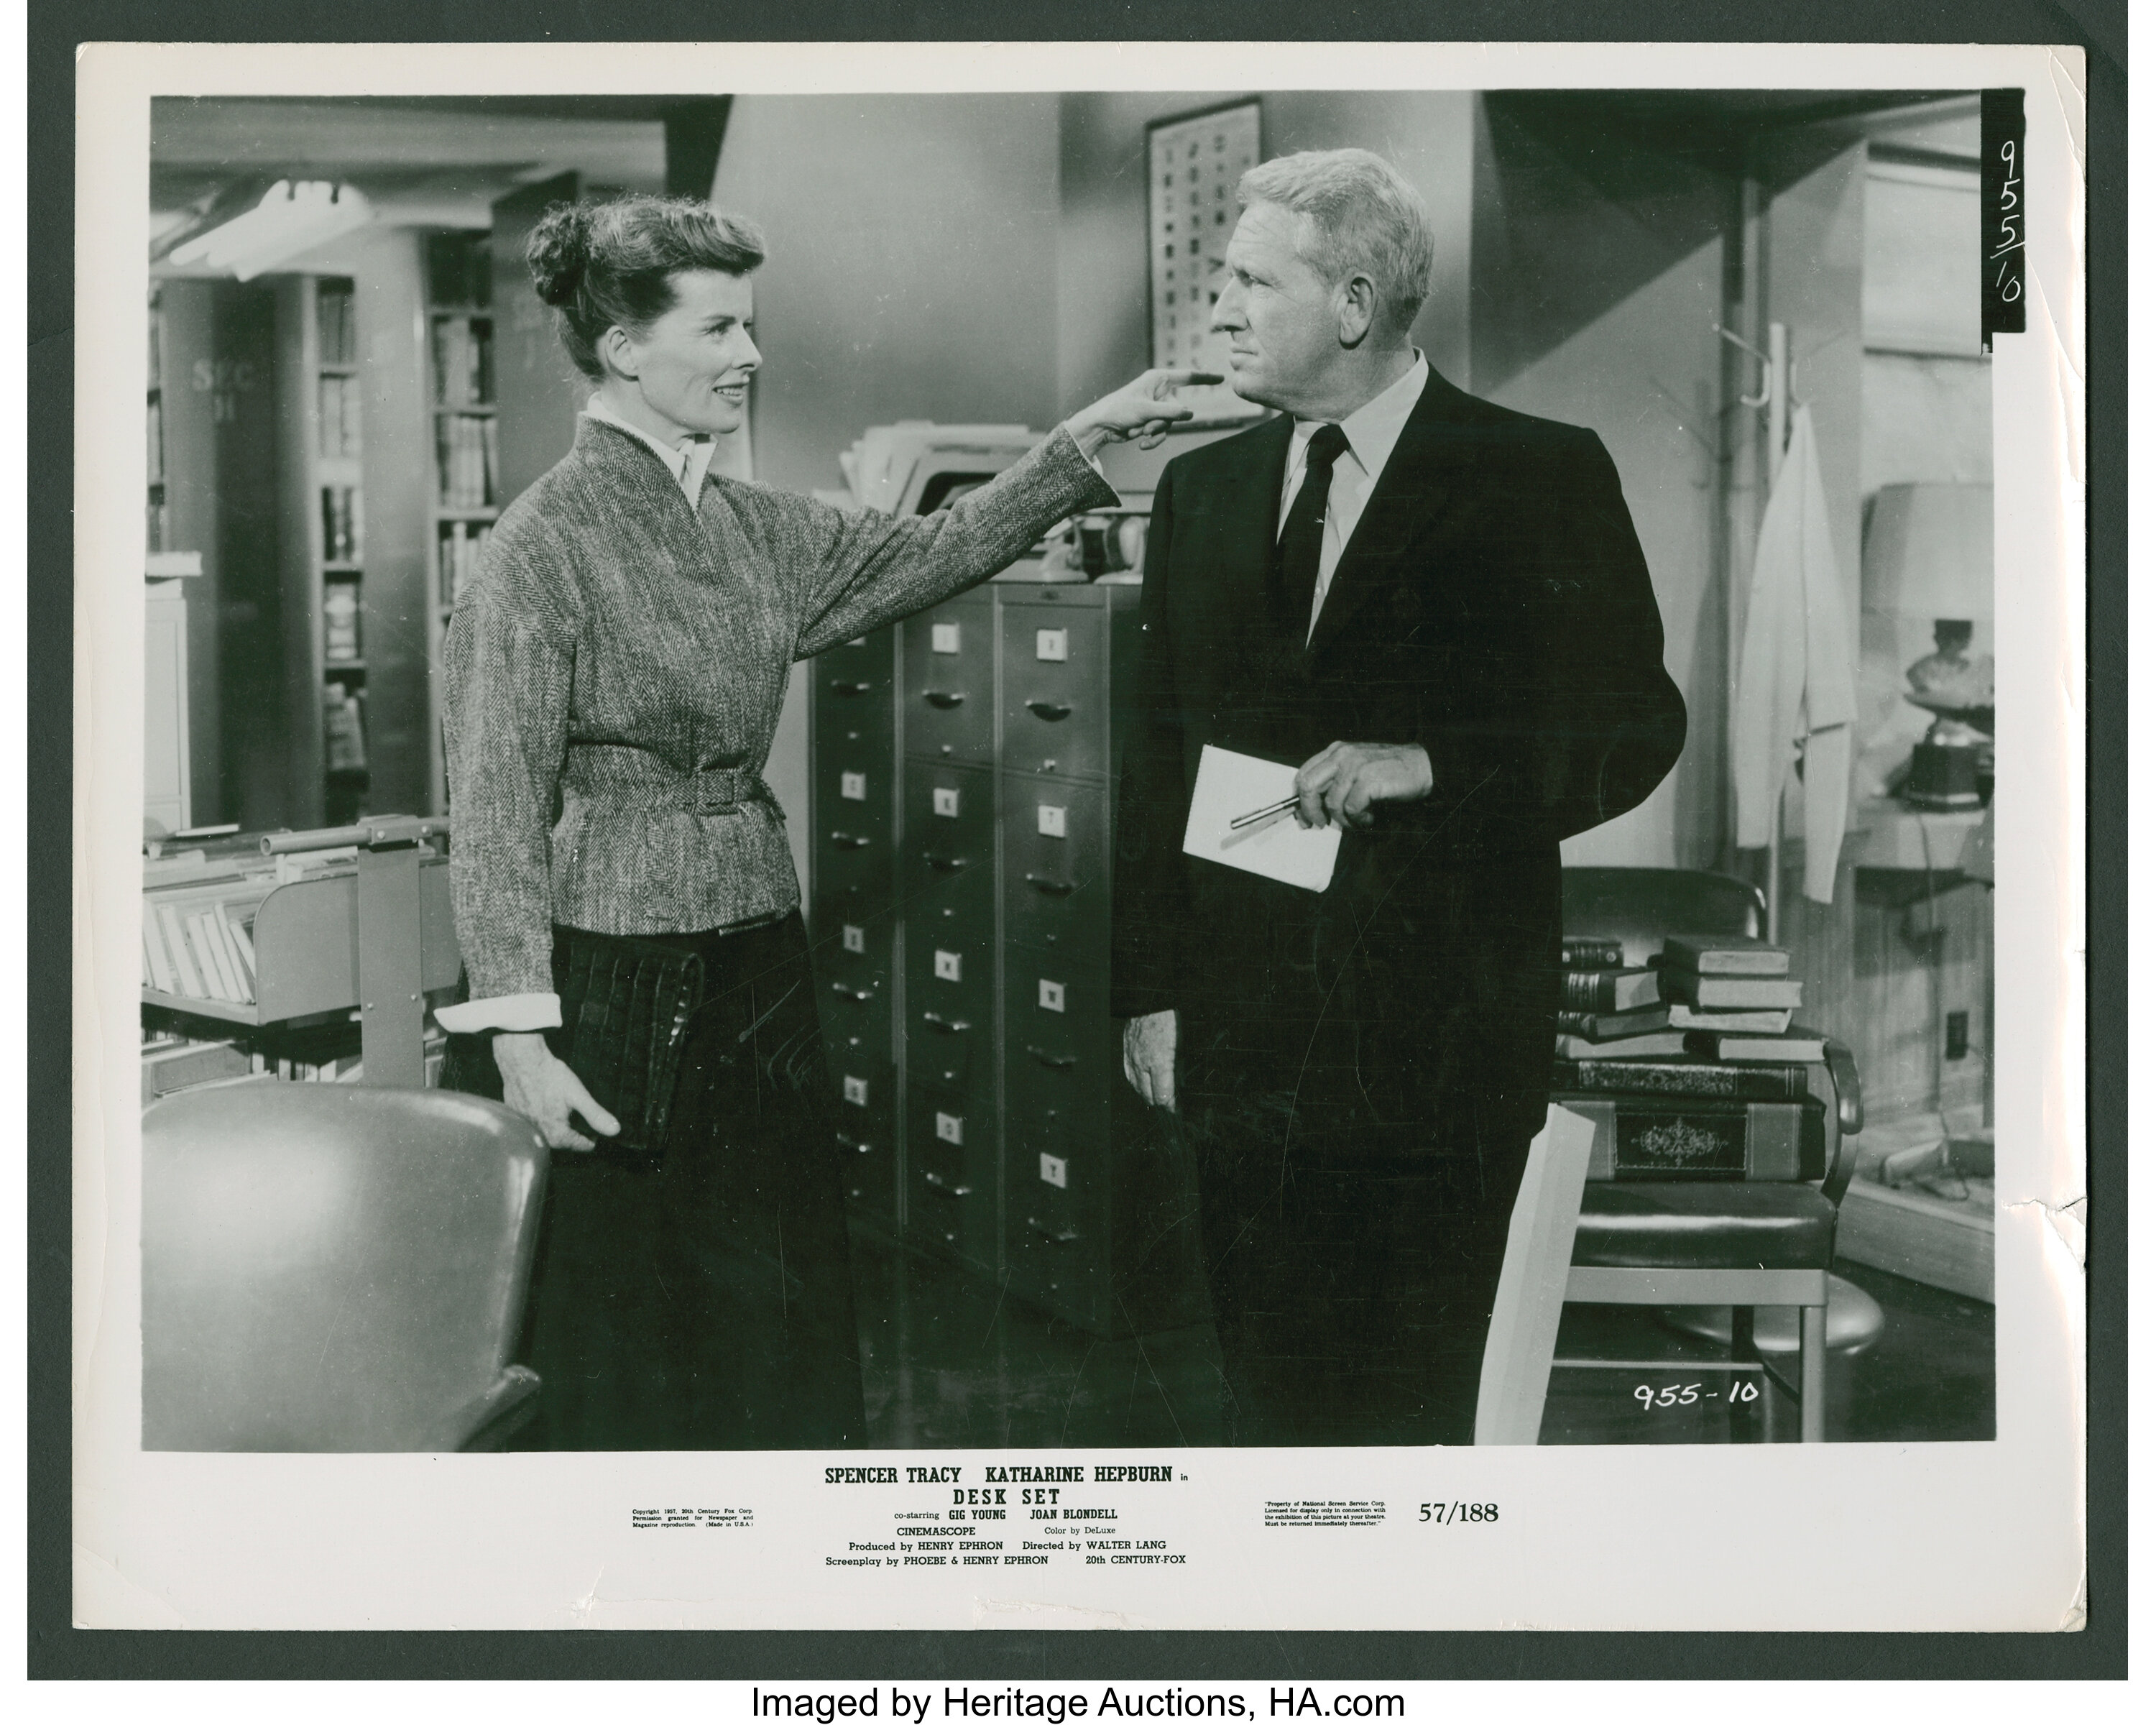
(1445, 1513)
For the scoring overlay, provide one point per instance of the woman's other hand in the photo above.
(1143, 409)
(546, 1092)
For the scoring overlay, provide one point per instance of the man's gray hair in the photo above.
(1362, 215)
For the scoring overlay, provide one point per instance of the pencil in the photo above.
(1264, 813)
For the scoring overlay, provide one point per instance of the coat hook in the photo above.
(1766, 364)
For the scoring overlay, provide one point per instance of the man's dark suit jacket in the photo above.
(1492, 606)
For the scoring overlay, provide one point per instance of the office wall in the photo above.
(913, 266)
(1598, 277)
(1101, 250)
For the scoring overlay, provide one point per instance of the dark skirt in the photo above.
(702, 1299)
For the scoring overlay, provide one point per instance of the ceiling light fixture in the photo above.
(294, 217)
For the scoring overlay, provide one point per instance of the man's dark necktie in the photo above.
(1304, 535)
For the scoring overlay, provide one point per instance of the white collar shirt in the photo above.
(1372, 431)
(688, 461)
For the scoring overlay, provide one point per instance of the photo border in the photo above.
(56, 1650)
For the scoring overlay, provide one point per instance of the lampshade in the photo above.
(1928, 552)
(293, 216)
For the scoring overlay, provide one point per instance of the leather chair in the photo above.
(1739, 1245)
(330, 1267)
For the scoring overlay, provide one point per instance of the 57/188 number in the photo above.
(1442, 1513)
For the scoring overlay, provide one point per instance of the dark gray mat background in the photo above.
(58, 1650)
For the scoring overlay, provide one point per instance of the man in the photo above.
(1438, 609)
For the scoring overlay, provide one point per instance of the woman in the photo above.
(615, 676)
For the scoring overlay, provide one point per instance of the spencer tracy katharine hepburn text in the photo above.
(997, 1475)
(1055, 1706)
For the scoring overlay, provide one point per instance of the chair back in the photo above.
(1643, 907)
(327, 1266)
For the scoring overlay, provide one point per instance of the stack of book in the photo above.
(1687, 1065)
(460, 548)
(1734, 998)
(464, 461)
(201, 945)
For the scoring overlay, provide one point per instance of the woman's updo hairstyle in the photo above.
(599, 264)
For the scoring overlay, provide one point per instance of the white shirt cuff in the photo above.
(513, 1013)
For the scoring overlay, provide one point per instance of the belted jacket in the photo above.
(615, 671)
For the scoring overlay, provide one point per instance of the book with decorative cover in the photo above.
(1610, 991)
(1682, 1078)
(1703, 1138)
(1586, 952)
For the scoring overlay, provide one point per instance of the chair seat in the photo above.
(1703, 1225)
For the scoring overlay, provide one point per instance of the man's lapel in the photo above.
(1431, 467)
(1241, 516)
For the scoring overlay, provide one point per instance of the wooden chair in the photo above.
(1741, 1245)
(332, 1267)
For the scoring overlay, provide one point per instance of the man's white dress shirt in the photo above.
(1372, 430)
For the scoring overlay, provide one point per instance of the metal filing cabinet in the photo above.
(852, 910)
(982, 911)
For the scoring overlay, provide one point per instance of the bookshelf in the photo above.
(322, 928)
(465, 478)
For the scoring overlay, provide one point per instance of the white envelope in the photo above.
(1282, 848)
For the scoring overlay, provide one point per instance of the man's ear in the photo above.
(1358, 309)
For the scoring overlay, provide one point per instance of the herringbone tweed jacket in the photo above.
(616, 669)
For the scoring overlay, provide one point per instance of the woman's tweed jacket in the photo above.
(615, 673)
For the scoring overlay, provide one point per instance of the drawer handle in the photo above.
(860, 1145)
(1060, 1062)
(949, 1027)
(850, 841)
(948, 865)
(1054, 1236)
(936, 1183)
(840, 686)
(1054, 888)
(846, 994)
(1054, 711)
(945, 698)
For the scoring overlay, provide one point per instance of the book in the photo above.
(1703, 1138)
(1602, 1026)
(227, 953)
(1727, 992)
(1708, 1045)
(1610, 991)
(176, 944)
(1591, 952)
(1653, 1046)
(341, 621)
(1760, 1022)
(1763, 1083)
(1724, 955)
(241, 923)
(210, 960)
(162, 974)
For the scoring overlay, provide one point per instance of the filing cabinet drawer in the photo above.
(1056, 689)
(850, 695)
(949, 841)
(950, 1005)
(867, 1088)
(845, 949)
(1058, 1253)
(868, 1161)
(856, 1010)
(854, 795)
(849, 895)
(948, 707)
(952, 1204)
(1056, 862)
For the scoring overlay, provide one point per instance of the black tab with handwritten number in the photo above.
(2004, 251)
